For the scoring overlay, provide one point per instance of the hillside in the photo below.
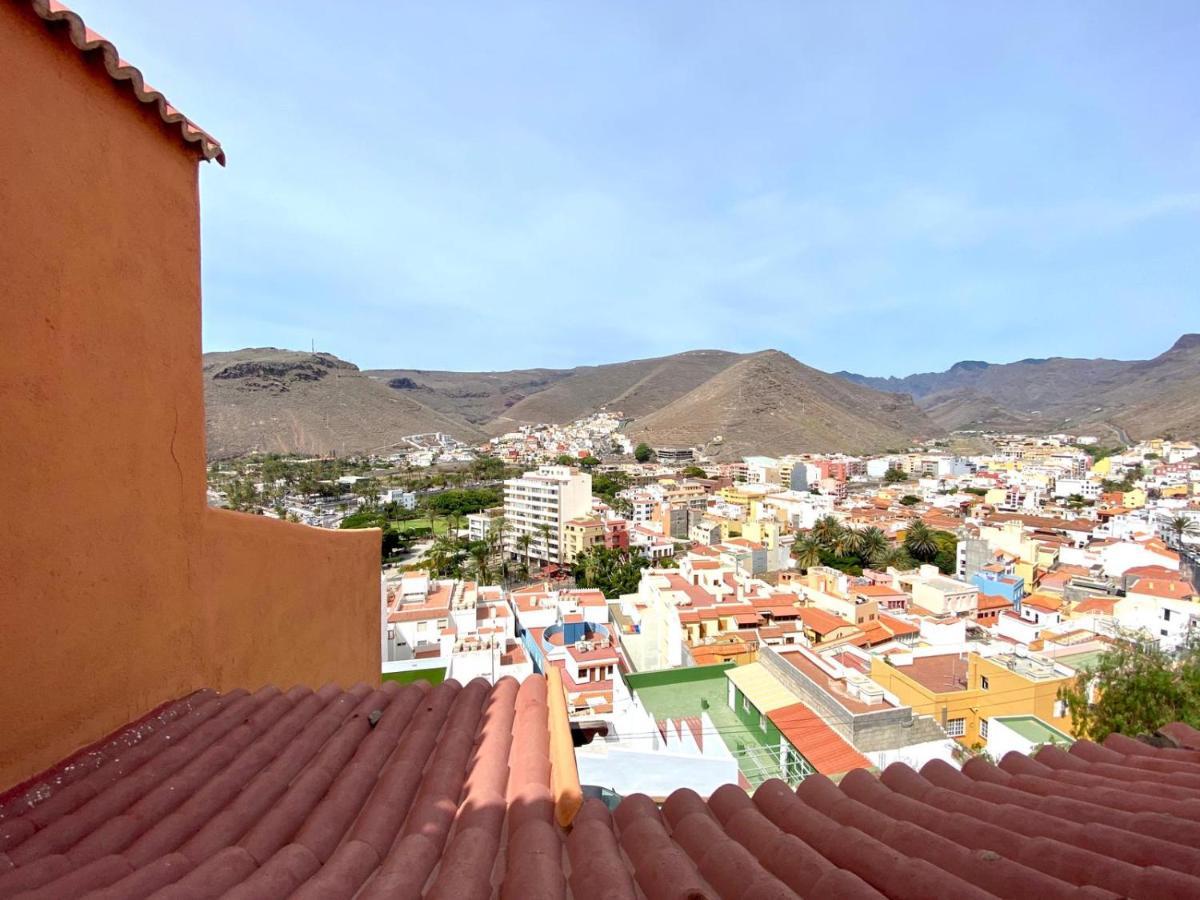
(1156, 397)
(285, 401)
(499, 401)
(478, 397)
(1143, 398)
(769, 403)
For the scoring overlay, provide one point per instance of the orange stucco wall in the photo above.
(119, 588)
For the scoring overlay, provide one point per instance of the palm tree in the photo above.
(849, 542)
(825, 531)
(807, 552)
(523, 541)
(1183, 526)
(544, 531)
(894, 558)
(873, 544)
(481, 558)
(919, 541)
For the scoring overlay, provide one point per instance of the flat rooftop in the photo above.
(941, 674)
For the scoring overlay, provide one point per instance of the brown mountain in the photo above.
(1154, 398)
(769, 403)
(1129, 398)
(285, 401)
(500, 401)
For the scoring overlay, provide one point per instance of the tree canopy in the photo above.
(643, 452)
(614, 572)
(1136, 688)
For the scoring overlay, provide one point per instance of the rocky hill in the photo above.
(1127, 398)
(285, 401)
(500, 401)
(730, 403)
(769, 403)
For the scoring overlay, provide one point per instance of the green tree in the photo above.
(566, 459)
(606, 485)
(896, 558)
(919, 542)
(642, 453)
(807, 552)
(1181, 527)
(544, 532)
(894, 475)
(826, 531)
(589, 462)
(693, 472)
(481, 560)
(910, 500)
(614, 572)
(1136, 688)
(523, 541)
(849, 542)
(873, 544)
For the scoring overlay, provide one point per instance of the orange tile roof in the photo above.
(1044, 602)
(737, 837)
(817, 742)
(1098, 605)
(993, 601)
(820, 621)
(1171, 589)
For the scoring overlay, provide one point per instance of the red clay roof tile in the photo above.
(88, 41)
(446, 795)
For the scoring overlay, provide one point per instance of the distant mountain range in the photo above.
(1117, 398)
(730, 404)
(268, 400)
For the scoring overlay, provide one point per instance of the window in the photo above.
(1060, 708)
(983, 682)
(1166, 615)
(983, 725)
(745, 703)
(762, 723)
(956, 727)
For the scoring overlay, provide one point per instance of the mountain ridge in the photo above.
(272, 400)
(1140, 398)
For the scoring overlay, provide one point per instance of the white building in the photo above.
(538, 504)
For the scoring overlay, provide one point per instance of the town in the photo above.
(771, 617)
(605, 595)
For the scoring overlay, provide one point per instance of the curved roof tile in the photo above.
(88, 41)
(411, 791)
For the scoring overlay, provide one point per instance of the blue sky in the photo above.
(880, 187)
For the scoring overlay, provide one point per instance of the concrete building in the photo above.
(581, 535)
(964, 690)
(482, 524)
(939, 594)
(539, 504)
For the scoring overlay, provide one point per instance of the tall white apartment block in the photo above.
(538, 504)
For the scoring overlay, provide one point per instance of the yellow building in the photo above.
(765, 533)
(995, 496)
(1031, 554)
(1134, 499)
(1103, 467)
(580, 535)
(963, 691)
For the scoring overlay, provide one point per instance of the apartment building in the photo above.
(538, 504)
(483, 523)
(963, 691)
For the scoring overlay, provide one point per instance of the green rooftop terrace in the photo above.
(676, 693)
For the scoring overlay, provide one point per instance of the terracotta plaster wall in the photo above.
(327, 602)
(118, 587)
